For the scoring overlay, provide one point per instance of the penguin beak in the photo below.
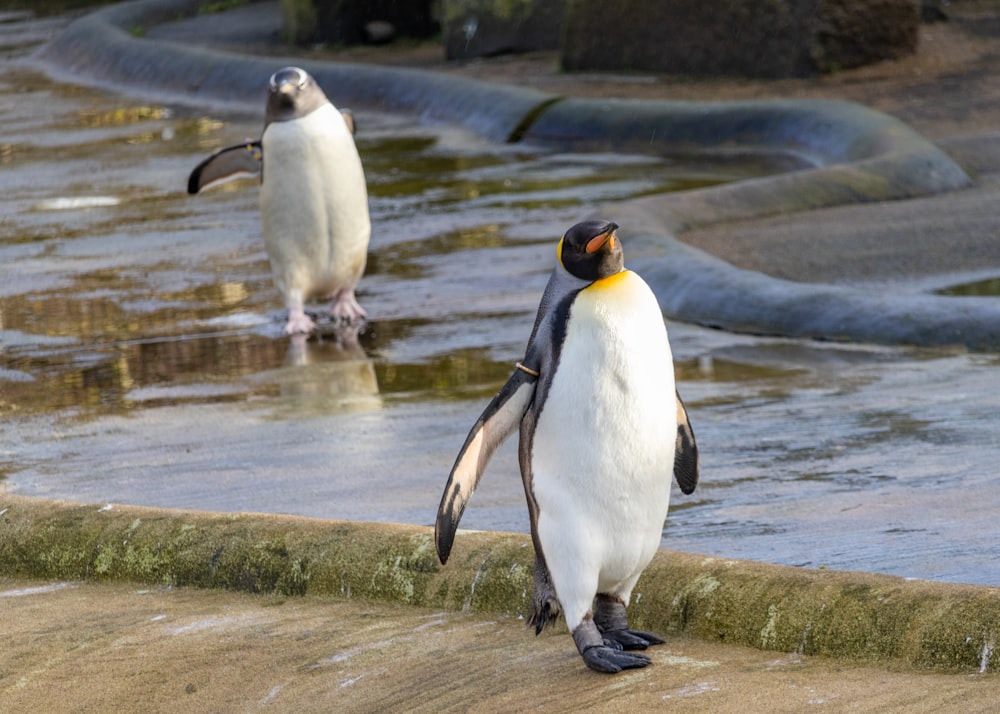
(598, 241)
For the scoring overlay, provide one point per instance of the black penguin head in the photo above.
(591, 250)
(292, 93)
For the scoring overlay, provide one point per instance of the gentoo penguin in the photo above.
(313, 197)
(601, 429)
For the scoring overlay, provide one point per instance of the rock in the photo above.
(483, 28)
(347, 22)
(852, 33)
(751, 38)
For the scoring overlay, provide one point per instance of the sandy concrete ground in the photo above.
(116, 647)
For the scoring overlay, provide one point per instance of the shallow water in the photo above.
(142, 360)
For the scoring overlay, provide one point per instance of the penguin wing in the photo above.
(685, 452)
(352, 124)
(498, 421)
(241, 161)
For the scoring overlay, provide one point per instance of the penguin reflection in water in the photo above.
(601, 430)
(313, 197)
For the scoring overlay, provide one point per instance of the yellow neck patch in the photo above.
(559, 251)
(611, 281)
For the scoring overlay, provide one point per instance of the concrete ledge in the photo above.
(838, 614)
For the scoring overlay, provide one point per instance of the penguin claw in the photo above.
(301, 324)
(345, 308)
(630, 639)
(606, 659)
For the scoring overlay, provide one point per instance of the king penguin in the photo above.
(313, 197)
(601, 430)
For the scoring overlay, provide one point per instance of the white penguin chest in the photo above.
(314, 202)
(313, 180)
(603, 446)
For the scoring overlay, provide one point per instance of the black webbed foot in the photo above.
(612, 622)
(602, 658)
(602, 655)
(630, 639)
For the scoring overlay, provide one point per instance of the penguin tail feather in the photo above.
(543, 615)
(544, 603)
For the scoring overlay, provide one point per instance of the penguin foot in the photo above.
(299, 324)
(345, 308)
(607, 659)
(630, 639)
(612, 622)
(603, 655)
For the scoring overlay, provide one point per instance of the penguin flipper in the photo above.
(685, 452)
(498, 421)
(241, 161)
(352, 124)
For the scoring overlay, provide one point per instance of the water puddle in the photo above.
(142, 360)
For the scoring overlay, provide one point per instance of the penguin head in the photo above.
(292, 93)
(591, 250)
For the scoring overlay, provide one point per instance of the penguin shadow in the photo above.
(325, 372)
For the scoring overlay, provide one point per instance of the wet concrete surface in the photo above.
(143, 361)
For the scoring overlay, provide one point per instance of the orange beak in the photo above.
(597, 242)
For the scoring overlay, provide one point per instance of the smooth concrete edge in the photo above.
(816, 133)
(851, 615)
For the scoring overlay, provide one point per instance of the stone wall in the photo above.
(481, 28)
(752, 38)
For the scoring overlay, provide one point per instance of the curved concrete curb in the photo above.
(847, 153)
(839, 614)
(693, 286)
(888, 159)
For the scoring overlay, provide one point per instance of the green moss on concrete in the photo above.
(502, 573)
(402, 575)
(838, 614)
(849, 615)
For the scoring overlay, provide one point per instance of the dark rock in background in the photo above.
(751, 38)
(348, 22)
(853, 33)
(482, 28)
